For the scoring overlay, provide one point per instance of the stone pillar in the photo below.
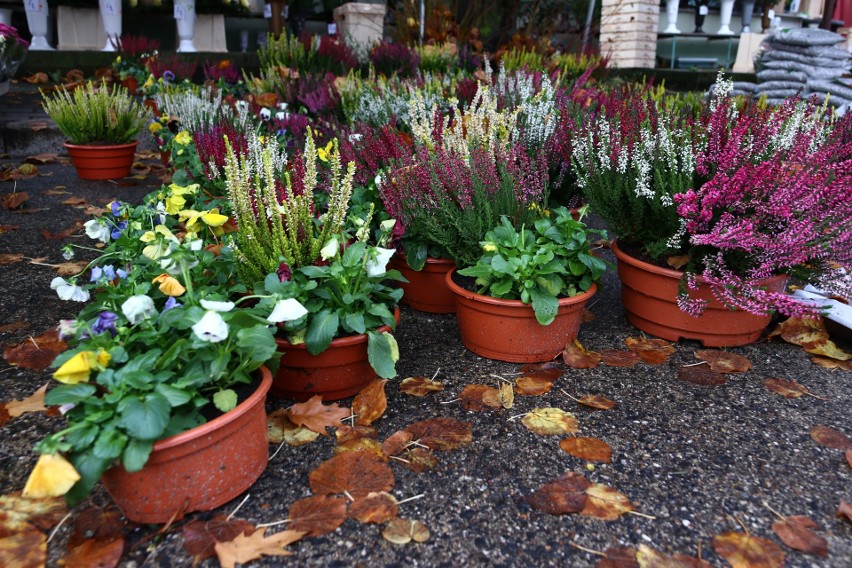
(629, 32)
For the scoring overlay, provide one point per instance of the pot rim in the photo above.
(429, 259)
(458, 290)
(230, 416)
(342, 341)
(100, 147)
(676, 274)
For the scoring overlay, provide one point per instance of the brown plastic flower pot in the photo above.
(426, 290)
(649, 294)
(200, 469)
(102, 162)
(507, 330)
(338, 372)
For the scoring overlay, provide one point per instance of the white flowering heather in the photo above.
(197, 110)
(379, 100)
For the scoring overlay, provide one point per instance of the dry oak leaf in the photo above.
(318, 514)
(33, 403)
(575, 356)
(36, 353)
(479, 398)
(743, 550)
(403, 531)
(618, 557)
(279, 428)
(619, 358)
(550, 421)
(317, 416)
(10, 258)
(565, 494)
(829, 363)
(700, 375)
(396, 442)
(589, 449)
(370, 403)
(723, 361)
(245, 548)
(844, 511)
(533, 386)
(18, 514)
(13, 200)
(442, 434)
(355, 474)
(650, 558)
(200, 537)
(605, 503)
(419, 460)
(27, 549)
(830, 438)
(652, 351)
(420, 386)
(376, 508)
(784, 387)
(797, 532)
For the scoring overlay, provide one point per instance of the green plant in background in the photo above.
(286, 51)
(539, 264)
(515, 59)
(90, 115)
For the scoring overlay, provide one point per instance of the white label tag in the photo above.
(267, 11)
(112, 7)
(703, 10)
(182, 11)
(332, 29)
(33, 6)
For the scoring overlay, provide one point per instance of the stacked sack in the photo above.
(806, 62)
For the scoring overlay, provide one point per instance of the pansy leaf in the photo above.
(321, 330)
(355, 322)
(544, 305)
(383, 353)
(69, 394)
(136, 454)
(109, 444)
(90, 468)
(175, 396)
(257, 343)
(144, 417)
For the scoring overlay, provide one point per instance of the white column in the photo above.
(672, 8)
(725, 17)
(111, 16)
(37, 22)
(629, 32)
(185, 18)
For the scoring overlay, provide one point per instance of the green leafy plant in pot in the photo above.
(100, 124)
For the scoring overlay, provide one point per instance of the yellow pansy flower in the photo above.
(174, 204)
(78, 368)
(52, 476)
(169, 285)
(324, 154)
(489, 247)
(155, 127)
(183, 138)
(213, 218)
(183, 190)
(149, 82)
(159, 249)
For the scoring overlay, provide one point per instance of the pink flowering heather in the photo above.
(777, 202)
(210, 145)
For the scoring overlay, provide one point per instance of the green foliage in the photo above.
(552, 259)
(96, 116)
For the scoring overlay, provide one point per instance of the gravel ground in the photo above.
(691, 456)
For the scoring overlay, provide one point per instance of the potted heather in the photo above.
(713, 215)
(298, 248)
(100, 124)
(163, 388)
(531, 285)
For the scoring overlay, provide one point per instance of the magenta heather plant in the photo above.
(777, 202)
(394, 58)
(223, 70)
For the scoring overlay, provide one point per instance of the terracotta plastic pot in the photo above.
(649, 294)
(102, 162)
(507, 330)
(425, 290)
(338, 372)
(200, 469)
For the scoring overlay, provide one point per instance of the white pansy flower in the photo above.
(241, 105)
(355, 137)
(378, 266)
(330, 249)
(68, 291)
(97, 231)
(388, 225)
(281, 106)
(287, 310)
(138, 308)
(280, 115)
(265, 114)
(211, 327)
(378, 180)
(216, 306)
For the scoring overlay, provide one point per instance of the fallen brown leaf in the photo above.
(844, 511)
(25, 549)
(403, 531)
(700, 375)
(375, 508)
(419, 460)
(279, 428)
(566, 494)
(97, 539)
(549, 371)
(480, 398)
(245, 548)
(354, 474)
(596, 401)
(576, 356)
(532, 386)
(652, 351)
(748, 551)
(420, 386)
(10, 258)
(41, 159)
(33, 403)
(200, 537)
(19, 514)
(550, 421)
(36, 353)
(14, 200)
(605, 503)
(784, 387)
(619, 358)
(797, 532)
(829, 363)
(723, 361)
(830, 438)
(650, 558)
(442, 434)
(317, 416)
(589, 449)
(318, 514)
(620, 557)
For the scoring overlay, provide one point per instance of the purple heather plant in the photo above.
(394, 58)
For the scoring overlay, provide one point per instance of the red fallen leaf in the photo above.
(532, 386)
(39, 78)
(724, 361)
(797, 532)
(566, 494)
(442, 434)
(10, 258)
(747, 551)
(396, 443)
(619, 557)
(576, 356)
(14, 200)
(619, 358)
(4, 416)
(479, 398)
(830, 438)
(200, 537)
(419, 460)
(36, 353)
(370, 403)
(375, 508)
(318, 514)
(315, 415)
(652, 351)
(589, 449)
(354, 474)
(700, 375)
(596, 401)
(548, 371)
(844, 511)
